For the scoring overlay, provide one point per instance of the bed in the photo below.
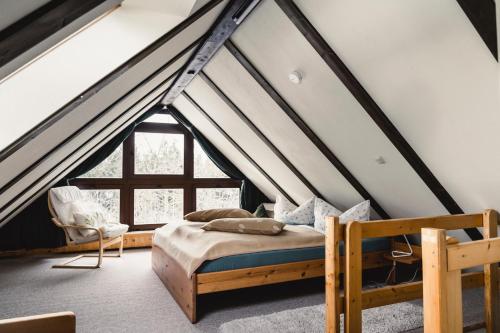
(277, 260)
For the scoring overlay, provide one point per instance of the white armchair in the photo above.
(61, 201)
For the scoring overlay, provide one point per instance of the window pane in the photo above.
(161, 118)
(158, 206)
(203, 165)
(208, 198)
(109, 199)
(159, 153)
(111, 167)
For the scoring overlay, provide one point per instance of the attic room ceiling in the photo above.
(423, 63)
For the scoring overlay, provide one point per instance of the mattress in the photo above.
(276, 257)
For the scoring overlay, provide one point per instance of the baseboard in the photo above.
(134, 239)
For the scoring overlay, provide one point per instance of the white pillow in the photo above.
(322, 209)
(291, 214)
(360, 212)
(282, 207)
(89, 214)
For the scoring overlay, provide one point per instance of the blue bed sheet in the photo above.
(283, 256)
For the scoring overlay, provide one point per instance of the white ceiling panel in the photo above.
(430, 71)
(256, 104)
(244, 136)
(224, 146)
(276, 48)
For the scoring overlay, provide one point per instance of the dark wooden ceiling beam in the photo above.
(154, 101)
(99, 85)
(44, 27)
(371, 107)
(236, 146)
(227, 22)
(301, 124)
(259, 133)
(482, 14)
(23, 173)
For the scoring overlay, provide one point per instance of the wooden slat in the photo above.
(332, 272)
(491, 302)
(249, 277)
(476, 253)
(353, 283)
(441, 289)
(371, 107)
(373, 298)
(60, 322)
(397, 227)
(135, 239)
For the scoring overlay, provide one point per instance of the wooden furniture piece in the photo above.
(60, 322)
(443, 262)
(103, 242)
(185, 290)
(354, 298)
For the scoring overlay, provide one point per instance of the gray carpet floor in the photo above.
(125, 295)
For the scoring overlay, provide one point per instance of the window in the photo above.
(159, 174)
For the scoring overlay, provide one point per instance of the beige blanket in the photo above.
(190, 245)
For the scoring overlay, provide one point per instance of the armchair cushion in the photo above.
(68, 201)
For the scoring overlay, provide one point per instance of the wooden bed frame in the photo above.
(354, 298)
(185, 290)
(443, 262)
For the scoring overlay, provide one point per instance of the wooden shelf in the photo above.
(410, 260)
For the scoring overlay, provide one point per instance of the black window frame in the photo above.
(129, 181)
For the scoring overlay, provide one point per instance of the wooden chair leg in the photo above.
(353, 275)
(120, 251)
(101, 253)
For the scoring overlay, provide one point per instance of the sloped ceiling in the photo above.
(421, 61)
(424, 65)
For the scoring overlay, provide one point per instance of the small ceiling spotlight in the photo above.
(380, 160)
(295, 77)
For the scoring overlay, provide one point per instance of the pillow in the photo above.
(282, 207)
(89, 214)
(212, 214)
(360, 212)
(323, 209)
(67, 194)
(304, 214)
(260, 211)
(256, 226)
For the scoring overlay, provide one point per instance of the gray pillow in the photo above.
(256, 226)
(212, 214)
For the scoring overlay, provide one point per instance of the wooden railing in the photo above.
(443, 262)
(355, 299)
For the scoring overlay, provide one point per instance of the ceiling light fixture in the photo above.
(295, 77)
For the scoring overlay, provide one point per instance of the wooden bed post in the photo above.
(491, 306)
(353, 276)
(442, 289)
(332, 270)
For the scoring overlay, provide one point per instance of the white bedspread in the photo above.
(190, 245)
